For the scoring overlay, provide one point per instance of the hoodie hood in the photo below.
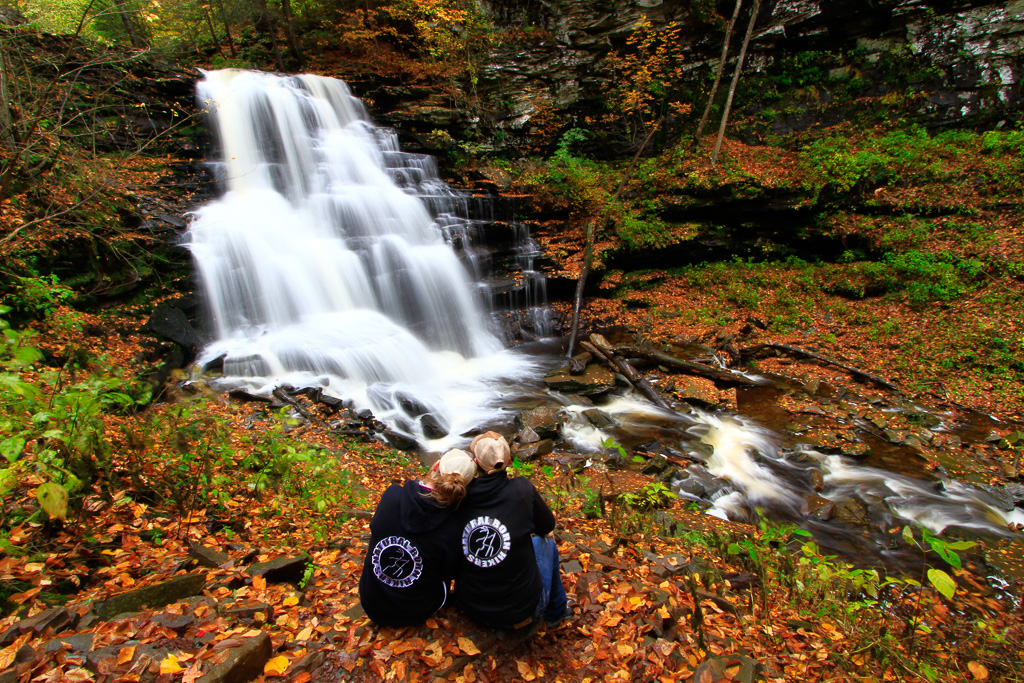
(486, 486)
(419, 512)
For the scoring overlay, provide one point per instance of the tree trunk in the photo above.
(227, 30)
(718, 72)
(265, 24)
(735, 80)
(645, 350)
(213, 32)
(588, 251)
(289, 33)
(605, 350)
(7, 135)
(129, 18)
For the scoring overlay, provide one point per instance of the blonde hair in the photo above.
(446, 489)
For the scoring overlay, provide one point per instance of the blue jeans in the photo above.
(552, 597)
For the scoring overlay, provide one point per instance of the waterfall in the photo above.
(324, 262)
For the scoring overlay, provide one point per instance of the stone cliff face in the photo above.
(943, 62)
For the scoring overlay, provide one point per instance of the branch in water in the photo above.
(803, 353)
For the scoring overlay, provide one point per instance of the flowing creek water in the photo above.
(336, 261)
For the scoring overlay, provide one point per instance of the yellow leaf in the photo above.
(290, 601)
(305, 634)
(259, 583)
(54, 500)
(276, 666)
(126, 654)
(625, 649)
(7, 656)
(978, 670)
(434, 654)
(468, 646)
(525, 671)
(170, 665)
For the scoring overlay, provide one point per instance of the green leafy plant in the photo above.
(649, 497)
(939, 579)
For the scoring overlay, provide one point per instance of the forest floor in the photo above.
(667, 595)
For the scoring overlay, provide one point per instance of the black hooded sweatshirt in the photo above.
(412, 556)
(498, 583)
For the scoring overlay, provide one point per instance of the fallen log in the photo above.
(645, 350)
(280, 394)
(804, 353)
(600, 347)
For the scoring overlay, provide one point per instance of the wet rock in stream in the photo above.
(532, 451)
(594, 380)
(543, 421)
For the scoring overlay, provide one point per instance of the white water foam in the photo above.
(917, 501)
(735, 444)
(322, 266)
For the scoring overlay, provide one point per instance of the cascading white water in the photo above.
(760, 475)
(322, 265)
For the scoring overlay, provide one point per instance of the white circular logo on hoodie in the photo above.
(396, 562)
(485, 541)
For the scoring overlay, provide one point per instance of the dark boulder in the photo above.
(281, 570)
(171, 322)
(157, 595)
(543, 420)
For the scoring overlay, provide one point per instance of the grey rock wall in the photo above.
(962, 60)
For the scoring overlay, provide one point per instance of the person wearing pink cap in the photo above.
(509, 576)
(414, 541)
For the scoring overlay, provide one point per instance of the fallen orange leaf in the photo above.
(170, 665)
(978, 670)
(525, 671)
(126, 654)
(276, 666)
(468, 646)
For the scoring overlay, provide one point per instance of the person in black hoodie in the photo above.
(509, 574)
(414, 540)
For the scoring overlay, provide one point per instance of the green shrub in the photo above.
(1003, 142)
(924, 277)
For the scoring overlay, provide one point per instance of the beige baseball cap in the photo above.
(459, 462)
(491, 451)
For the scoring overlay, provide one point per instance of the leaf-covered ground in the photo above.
(660, 594)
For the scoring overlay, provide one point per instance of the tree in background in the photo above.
(451, 34)
(726, 39)
(114, 21)
(649, 72)
(735, 80)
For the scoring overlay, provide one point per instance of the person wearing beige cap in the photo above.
(509, 575)
(414, 544)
